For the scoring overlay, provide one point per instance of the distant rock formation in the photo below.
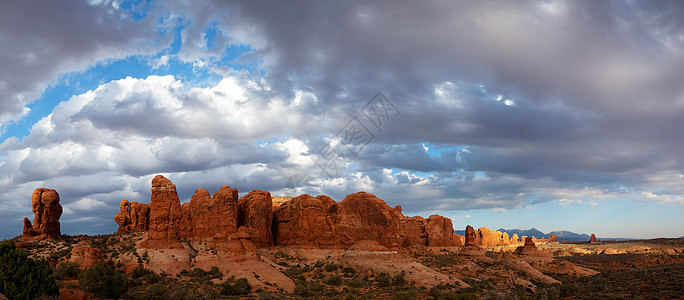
(471, 248)
(47, 210)
(593, 240)
(133, 216)
(302, 220)
(529, 249)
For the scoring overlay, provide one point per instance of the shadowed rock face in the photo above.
(303, 220)
(529, 249)
(47, 210)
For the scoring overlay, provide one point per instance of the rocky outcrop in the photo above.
(165, 210)
(86, 256)
(529, 249)
(471, 248)
(593, 240)
(211, 216)
(47, 210)
(255, 216)
(486, 237)
(305, 220)
(364, 216)
(440, 232)
(133, 216)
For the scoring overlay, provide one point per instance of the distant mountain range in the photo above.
(562, 235)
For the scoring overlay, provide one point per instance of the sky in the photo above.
(557, 115)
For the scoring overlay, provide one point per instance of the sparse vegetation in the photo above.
(103, 280)
(22, 277)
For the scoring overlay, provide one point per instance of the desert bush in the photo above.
(399, 279)
(406, 296)
(65, 270)
(235, 287)
(22, 277)
(330, 267)
(302, 288)
(333, 280)
(140, 271)
(383, 280)
(103, 280)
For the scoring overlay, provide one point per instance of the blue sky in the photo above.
(558, 115)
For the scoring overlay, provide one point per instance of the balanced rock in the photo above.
(86, 256)
(47, 210)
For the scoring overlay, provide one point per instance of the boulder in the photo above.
(86, 256)
(256, 215)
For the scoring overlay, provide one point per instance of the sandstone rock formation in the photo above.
(471, 248)
(86, 256)
(440, 231)
(305, 220)
(486, 237)
(529, 249)
(257, 221)
(47, 210)
(255, 215)
(133, 216)
(593, 240)
(364, 216)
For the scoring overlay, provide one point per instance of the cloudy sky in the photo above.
(558, 115)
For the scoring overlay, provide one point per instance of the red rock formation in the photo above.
(593, 240)
(553, 238)
(305, 220)
(471, 248)
(470, 239)
(364, 216)
(486, 237)
(256, 216)
(515, 239)
(529, 249)
(209, 217)
(86, 256)
(47, 210)
(412, 231)
(28, 228)
(440, 232)
(165, 210)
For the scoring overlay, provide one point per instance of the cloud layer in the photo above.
(502, 104)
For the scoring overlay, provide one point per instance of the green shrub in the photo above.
(236, 287)
(66, 270)
(383, 280)
(103, 280)
(22, 277)
(399, 279)
(333, 280)
(302, 288)
(140, 271)
(330, 267)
